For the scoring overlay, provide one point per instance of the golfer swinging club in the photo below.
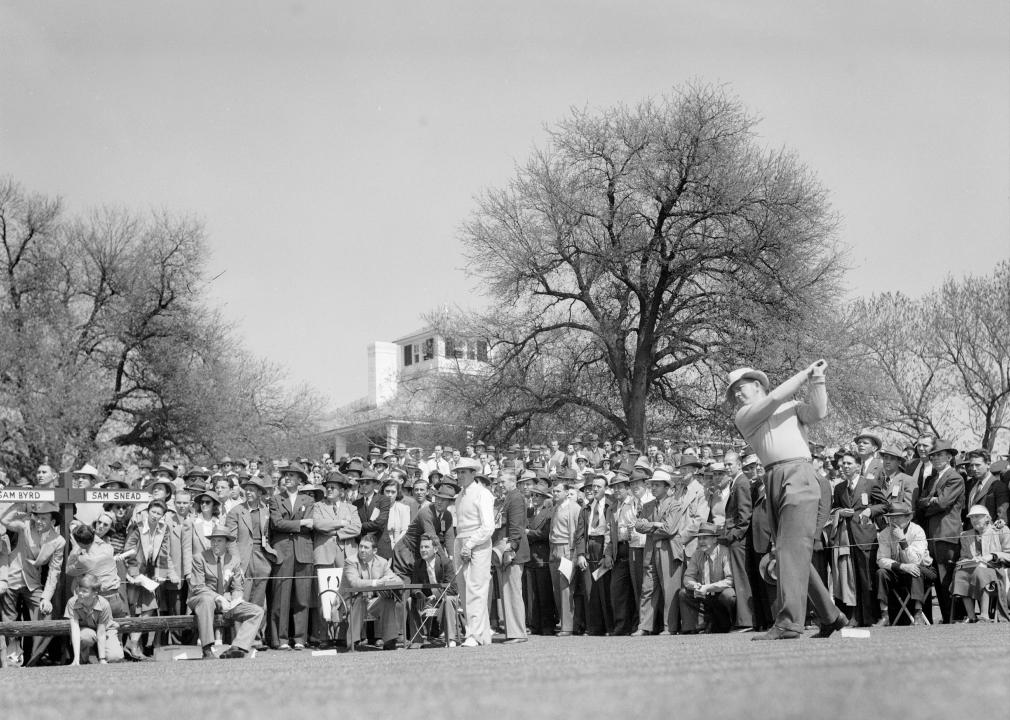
(775, 425)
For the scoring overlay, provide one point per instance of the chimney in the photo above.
(382, 368)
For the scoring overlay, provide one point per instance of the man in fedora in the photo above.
(867, 447)
(739, 507)
(708, 585)
(537, 570)
(217, 585)
(775, 425)
(660, 521)
(512, 546)
(432, 519)
(248, 523)
(892, 486)
(373, 511)
(903, 562)
(291, 538)
(475, 522)
(938, 512)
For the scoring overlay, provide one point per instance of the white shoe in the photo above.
(470, 642)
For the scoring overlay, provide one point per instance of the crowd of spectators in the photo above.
(594, 537)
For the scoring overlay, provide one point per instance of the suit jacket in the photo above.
(720, 571)
(582, 533)
(897, 488)
(538, 532)
(153, 551)
(239, 522)
(862, 531)
(940, 504)
(358, 576)
(874, 469)
(760, 522)
(334, 532)
(991, 493)
(445, 573)
(376, 523)
(993, 541)
(46, 550)
(679, 518)
(512, 533)
(738, 510)
(205, 579)
(427, 522)
(287, 536)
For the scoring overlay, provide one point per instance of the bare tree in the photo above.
(970, 319)
(636, 257)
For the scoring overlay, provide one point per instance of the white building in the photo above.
(396, 408)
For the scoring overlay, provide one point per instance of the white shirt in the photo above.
(474, 515)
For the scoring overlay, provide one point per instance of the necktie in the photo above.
(220, 575)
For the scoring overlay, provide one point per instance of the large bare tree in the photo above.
(642, 252)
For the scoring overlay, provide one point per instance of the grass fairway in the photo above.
(941, 671)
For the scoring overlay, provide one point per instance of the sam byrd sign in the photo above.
(12, 495)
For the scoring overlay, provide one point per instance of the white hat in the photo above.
(745, 373)
(87, 470)
(469, 464)
(979, 510)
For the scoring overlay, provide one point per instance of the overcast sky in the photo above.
(332, 149)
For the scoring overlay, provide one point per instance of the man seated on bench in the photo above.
(92, 629)
(364, 579)
(434, 568)
(216, 585)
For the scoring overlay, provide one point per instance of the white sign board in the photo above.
(117, 496)
(13, 495)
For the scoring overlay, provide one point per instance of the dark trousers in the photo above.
(865, 565)
(718, 611)
(290, 600)
(944, 557)
(541, 608)
(599, 613)
(890, 581)
(744, 607)
(762, 593)
(793, 498)
(622, 592)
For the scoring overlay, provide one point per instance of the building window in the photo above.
(408, 355)
(429, 348)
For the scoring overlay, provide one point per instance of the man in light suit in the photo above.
(291, 537)
(217, 585)
(940, 504)
(39, 546)
(248, 523)
(668, 523)
(366, 585)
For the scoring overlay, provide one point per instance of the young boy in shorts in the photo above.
(91, 625)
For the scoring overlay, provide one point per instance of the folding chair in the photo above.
(904, 600)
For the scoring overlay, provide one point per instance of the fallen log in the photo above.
(56, 628)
